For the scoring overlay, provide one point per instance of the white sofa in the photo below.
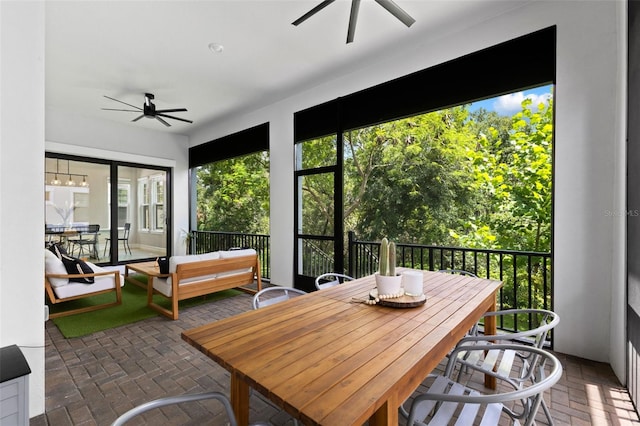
(59, 288)
(199, 274)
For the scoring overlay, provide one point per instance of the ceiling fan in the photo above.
(149, 110)
(393, 8)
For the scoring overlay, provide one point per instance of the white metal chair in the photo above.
(543, 321)
(331, 279)
(458, 271)
(272, 295)
(157, 403)
(518, 396)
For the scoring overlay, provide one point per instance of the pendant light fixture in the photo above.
(55, 180)
(70, 177)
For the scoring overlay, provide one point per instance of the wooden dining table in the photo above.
(328, 359)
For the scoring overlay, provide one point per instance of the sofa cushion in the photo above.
(53, 265)
(236, 253)
(176, 260)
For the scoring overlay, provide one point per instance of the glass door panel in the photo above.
(317, 204)
(76, 208)
(86, 215)
(319, 228)
(141, 219)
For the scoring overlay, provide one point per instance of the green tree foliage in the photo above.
(515, 174)
(448, 177)
(408, 179)
(233, 195)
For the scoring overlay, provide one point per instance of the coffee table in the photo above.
(150, 269)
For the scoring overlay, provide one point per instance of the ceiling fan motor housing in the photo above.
(149, 108)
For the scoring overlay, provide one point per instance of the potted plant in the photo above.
(387, 282)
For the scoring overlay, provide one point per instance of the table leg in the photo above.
(490, 328)
(386, 415)
(240, 399)
(149, 289)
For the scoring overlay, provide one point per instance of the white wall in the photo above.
(21, 187)
(589, 157)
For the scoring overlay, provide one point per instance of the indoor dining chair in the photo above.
(88, 238)
(331, 279)
(124, 239)
(518, 397)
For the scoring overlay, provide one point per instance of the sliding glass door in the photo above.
(107, 222)
(141, 219)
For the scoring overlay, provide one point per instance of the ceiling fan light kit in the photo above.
(149, 110)
(389, 5)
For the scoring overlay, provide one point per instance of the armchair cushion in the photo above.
(53, 265)
(77, 266)
(58, 250)
(103, 282)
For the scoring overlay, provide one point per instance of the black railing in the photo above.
(316, 261)
(208, 241)
(526, 275)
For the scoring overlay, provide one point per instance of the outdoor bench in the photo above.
(201, 274)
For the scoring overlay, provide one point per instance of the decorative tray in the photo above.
(399, 302)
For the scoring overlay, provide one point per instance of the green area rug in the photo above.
(133, 308)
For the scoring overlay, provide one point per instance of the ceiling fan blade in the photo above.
(132, 106)
(397, 11)
(172, 117)
(353, 19)
(312, 12)
(162, 121)
(137, 118)
(114, 109)
(171, 110)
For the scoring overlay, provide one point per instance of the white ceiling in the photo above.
(124, 49)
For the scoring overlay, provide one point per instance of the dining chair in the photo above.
(331, 279)
(272, 295)
(124, 239)
(540, 321)
(518, 396)
(162, 402)
(92, 231)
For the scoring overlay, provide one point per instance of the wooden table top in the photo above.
(328, 360)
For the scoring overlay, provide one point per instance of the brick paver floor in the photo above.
(91, 380)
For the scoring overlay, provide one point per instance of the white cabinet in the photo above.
(14, 387)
